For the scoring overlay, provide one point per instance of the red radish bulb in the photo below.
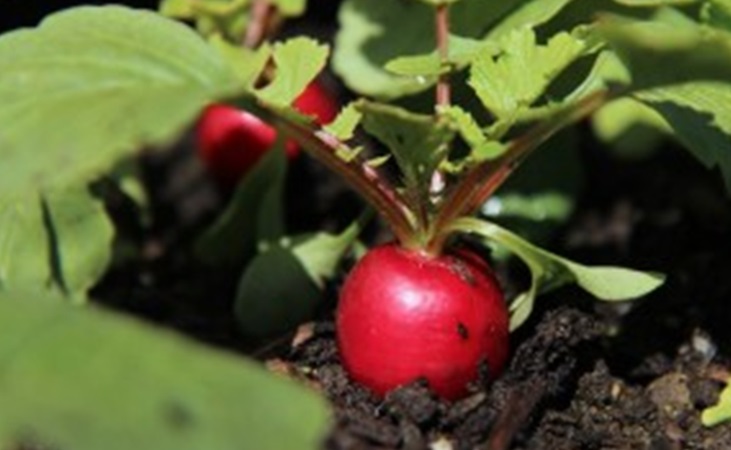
(404, 315)
(230, 141)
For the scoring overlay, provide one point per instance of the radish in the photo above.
(404, 315)
(230, 141)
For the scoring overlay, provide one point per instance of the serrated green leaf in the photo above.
(255, 212)
(429, 66)
(466, 125)
(67, 383)
(25, 257)
(291, 8)
(321, 253)
(227, 18)
(550, 271)
(81, 238)
(721, 411)
(345, 123)
(417, 142)
(75, 98)
(651, 51)
(700, 116)
(370, 37)
(515, 78)
(298, 61)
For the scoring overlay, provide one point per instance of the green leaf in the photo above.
(275, 294)
(429, 66)
(75, 98)
(183, 9)
(321, 253)
(291, 8)
(528, 14)
(417, 142)
(297, 61)
(630, 127)
(721, 411)
(25, 257)
(84, 379)
(515, 79)
(81, 237)
(282, 286)
(651, 51)
(550, 271)
(344, 125)
(247, 64)
(717, 13)
(60, 240)
(700, 116)
(254, 213)
(370, 37)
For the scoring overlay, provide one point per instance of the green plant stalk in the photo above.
(485, 178)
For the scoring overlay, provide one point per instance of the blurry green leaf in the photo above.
(549, 271)
(247, 64)
(282, 286)
(291, 8)
(515, 78)
(345, 123)
(717, 13)
(255, 212)
(75, 97)
(275, 294)
(721, 411)
(657, 2)
(182, 9)
(700, 116)
(81, 235)
(84, 379)
(417, 142)
(298, 61)
(630, 127)
(59, 240)
(25, 257)
(651, 51)
(227, 18)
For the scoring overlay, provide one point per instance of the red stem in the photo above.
(362, 177)
(443, 93)
(256, 30)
